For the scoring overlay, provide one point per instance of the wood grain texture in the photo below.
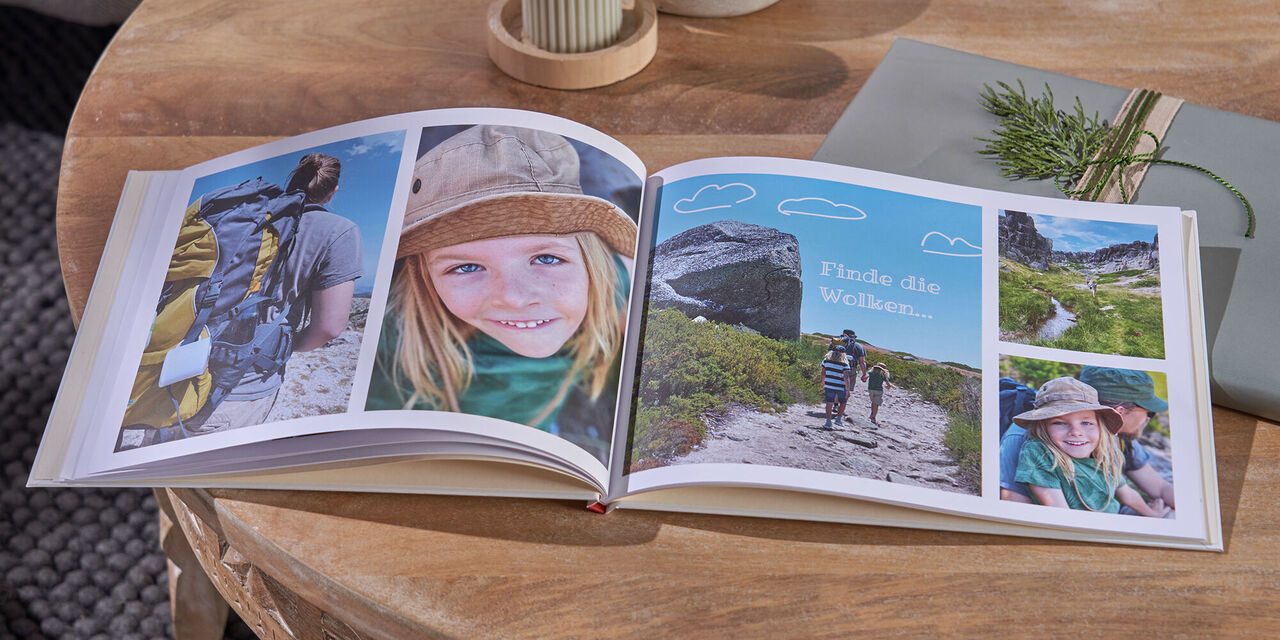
(197, 609)
(188, 80)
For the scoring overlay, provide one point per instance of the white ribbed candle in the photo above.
(571, 26)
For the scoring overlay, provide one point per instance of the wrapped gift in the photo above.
(919, 114)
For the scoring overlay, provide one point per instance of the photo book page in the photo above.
(857, 334)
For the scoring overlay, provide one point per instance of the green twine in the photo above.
(1038, 141)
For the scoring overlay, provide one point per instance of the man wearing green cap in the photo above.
(1132, 394)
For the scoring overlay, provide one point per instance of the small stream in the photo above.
(1057, 324)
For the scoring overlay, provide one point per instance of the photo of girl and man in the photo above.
(1094, 439)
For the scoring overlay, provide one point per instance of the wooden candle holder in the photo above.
(636, 45)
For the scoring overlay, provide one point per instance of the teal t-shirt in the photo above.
(875, 379)
(1035, 466)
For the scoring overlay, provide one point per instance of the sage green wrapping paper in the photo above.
(918, 114)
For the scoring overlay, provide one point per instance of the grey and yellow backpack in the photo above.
(221, 318)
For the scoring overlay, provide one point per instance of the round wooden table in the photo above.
(188, 80)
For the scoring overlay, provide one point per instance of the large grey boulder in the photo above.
(731, 272)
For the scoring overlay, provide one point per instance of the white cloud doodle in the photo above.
(720, 197)
(820, 207)
(945, 245)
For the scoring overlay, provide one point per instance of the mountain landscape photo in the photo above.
(1080, 285)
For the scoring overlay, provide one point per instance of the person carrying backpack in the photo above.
(856, 352)
(284, 284)
(835, 383)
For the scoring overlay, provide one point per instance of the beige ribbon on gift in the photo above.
(1116, 171)
(1143, 110)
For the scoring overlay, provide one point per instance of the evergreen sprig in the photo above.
(1036, 139)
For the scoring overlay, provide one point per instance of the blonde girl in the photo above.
(509, 283)
(1072, 457)
(835, 383)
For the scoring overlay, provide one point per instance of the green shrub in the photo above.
(964, 440)
(1022, 305)
(691, 371)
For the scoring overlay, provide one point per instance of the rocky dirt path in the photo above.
(906, 447)
(318, 382)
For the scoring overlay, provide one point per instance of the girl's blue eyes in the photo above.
(1067, 424)
(471, 267)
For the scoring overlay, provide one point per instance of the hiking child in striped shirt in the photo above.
(835, 382)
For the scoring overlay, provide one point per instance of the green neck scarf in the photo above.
(512, 387)
(504, 384)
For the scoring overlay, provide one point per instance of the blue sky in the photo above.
(1073, 234)
(842, 228)
(369, 167)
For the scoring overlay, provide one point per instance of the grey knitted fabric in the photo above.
(74, 563)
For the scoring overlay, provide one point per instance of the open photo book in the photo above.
(504, 303)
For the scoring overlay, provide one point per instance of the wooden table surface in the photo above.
(188, 80)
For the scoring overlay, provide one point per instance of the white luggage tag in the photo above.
(185, 361)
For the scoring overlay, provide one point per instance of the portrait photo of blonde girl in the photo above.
(511, 281)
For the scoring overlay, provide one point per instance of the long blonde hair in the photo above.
(836, 356)
(432, 353)
(1107, 455)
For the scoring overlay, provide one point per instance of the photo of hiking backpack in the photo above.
(1015, 398)
(221, 317)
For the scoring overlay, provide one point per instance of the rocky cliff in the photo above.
(731, 272)
(1020, 241)
(1117, 257)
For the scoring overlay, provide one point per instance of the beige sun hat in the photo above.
(495, 181)
(1061, 396)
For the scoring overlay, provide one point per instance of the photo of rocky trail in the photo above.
(1104, 298)
(906, 447)
(727, 375)
(318, 382)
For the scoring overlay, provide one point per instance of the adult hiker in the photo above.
(1132, 394)
(301, 298)
(835, 382)
(877, 382)
(856, 352)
